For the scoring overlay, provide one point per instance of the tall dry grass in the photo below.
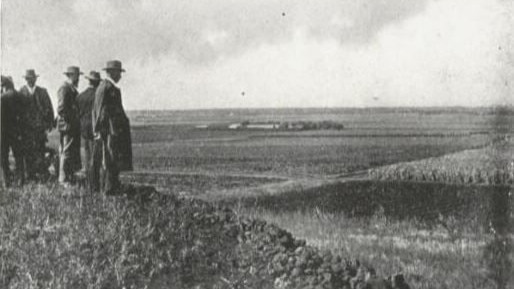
(54, 238)
(439, 236)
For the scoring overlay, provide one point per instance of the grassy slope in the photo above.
(447, 249)
(429, 259)
(51, 238)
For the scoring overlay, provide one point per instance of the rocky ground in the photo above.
(232, 251)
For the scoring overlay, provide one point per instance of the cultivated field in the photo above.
(313, 183)
(491, 165)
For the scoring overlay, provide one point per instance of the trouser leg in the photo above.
(88, 151)
(19, 162)
(6, 170)
(96, 165)
(62, 173)
(30, 154)
(40, 154)
(69, 157)
(112, 182)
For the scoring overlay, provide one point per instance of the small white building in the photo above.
(263, 126)
(234, 126)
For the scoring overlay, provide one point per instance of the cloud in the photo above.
(150, 28)
(200, 53)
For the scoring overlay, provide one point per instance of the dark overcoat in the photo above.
(39, 110)
(12, 108)
(111, 123)
(67, 110)
(85, 102)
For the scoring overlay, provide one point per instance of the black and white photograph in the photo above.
(248, 144)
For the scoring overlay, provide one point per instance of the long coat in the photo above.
(67, 110)
(39, 111)
(68, 124)
(12, 109)
(85, 102)
(12, 125)
(111, 123)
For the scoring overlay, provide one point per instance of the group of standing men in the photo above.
(95, 117)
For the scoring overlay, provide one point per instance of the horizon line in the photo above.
(331, 108)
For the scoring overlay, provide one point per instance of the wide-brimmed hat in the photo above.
(114, 65)
(73, 70)
(30, 73)
(93, 75)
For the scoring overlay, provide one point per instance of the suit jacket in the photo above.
(85, 102)
(111, 122)
(39, 110)
(68, 119)
(12, 112)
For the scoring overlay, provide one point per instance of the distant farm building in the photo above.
(299, 125)
(235, 126)
(262, 125)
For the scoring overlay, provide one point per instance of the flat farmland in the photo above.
(170, 141)
(297, 154)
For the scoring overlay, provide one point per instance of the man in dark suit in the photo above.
(113, 147)
(68, 124)
(85, 102)
(11, 123)
(39, 119)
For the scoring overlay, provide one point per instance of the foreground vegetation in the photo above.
(490, 165)
(52, 238)
(439, 236)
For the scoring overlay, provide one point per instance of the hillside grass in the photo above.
(54, 238)
(439, 236)
(428, 258)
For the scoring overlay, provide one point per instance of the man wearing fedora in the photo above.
(113, 144)
(39, 120)
(68, 124)
(10, 137)
(85, 103)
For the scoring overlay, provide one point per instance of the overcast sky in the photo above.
(187, 54)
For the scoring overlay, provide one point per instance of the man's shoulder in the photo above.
(65, 87)
(8, 94)
(41, 89)
(106, 83)
(104, 86)
(11, 96)
(87, 92)
(24, 90)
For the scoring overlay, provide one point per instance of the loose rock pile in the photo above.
(262, 255)
(293, 264)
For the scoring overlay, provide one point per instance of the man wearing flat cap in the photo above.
(113, 145)
(85, 103)
(39, 120)
(11, 122)
(68, 124)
